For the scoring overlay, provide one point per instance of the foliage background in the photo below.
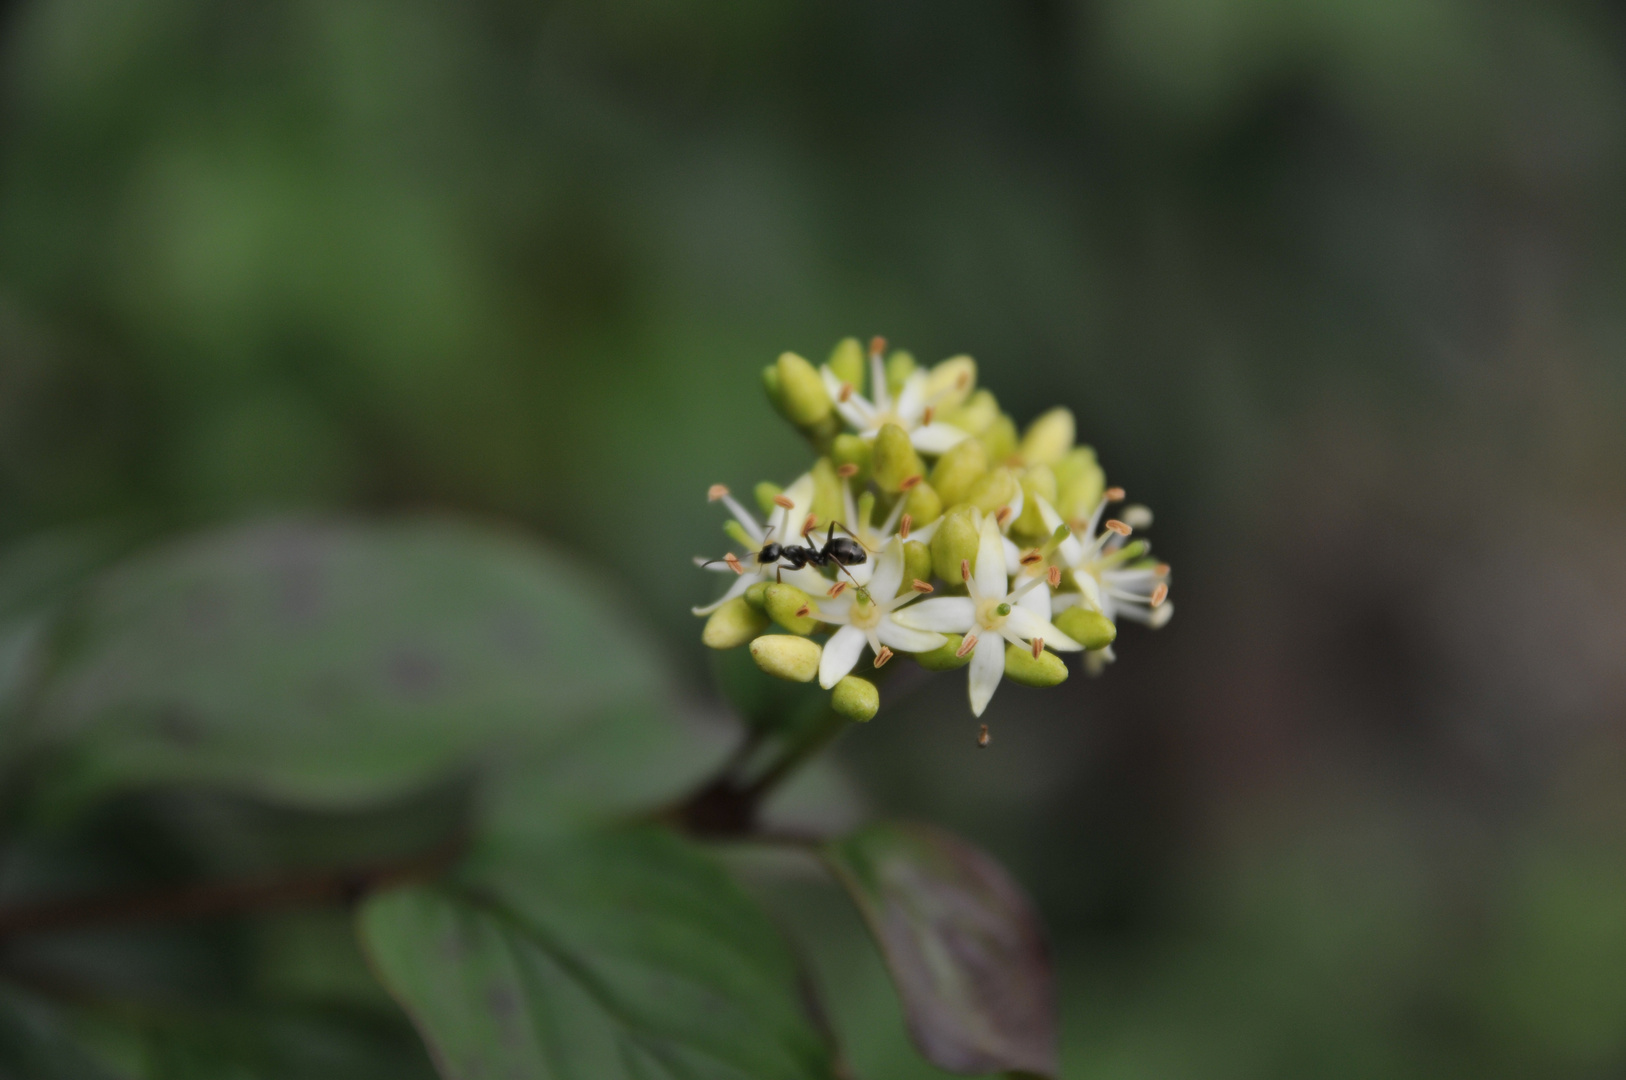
(1333, 285)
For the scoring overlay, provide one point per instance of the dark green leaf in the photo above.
(331, 662)
(963, 943)
(627, 955)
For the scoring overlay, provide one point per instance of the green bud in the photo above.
(802, 397)
(757, 595)
(827, 502)
(992, 490)
(1079, 484)
(1073, 464)
(951, 382)
(899, 366)
(732, 625)
(955, 541)
(783, 656)
(894, 459)
(736, 532)
(1021, 665)
(1000, 439)
(1038, 482)
(849, 449)
(856, 699)
(770, 383)
(1090, 629)
(790, 607)
(943, 657)
(960, 467)
(847, 362)
(1048, 438)
(922, 504)
(975, 415)
(765, 493)
(917, 564)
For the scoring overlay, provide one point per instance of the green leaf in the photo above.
(332, 663)
(620, 955)
(963, 944)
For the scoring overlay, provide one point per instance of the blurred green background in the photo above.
(1335, 286)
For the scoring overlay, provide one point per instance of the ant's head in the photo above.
(846, 552)
(768, 554)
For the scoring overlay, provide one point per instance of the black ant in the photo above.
(837, 550)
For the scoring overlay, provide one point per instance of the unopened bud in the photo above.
(961, 466)
(1045, 669)
(954, 542)
(1000, 439)
(856, 699)
(1037, 483)
(784, 656)
(732, 625)
(757, 596)
(917, 564)
(765, 493)
(849, 450)
(946, 657)
(899, 366)
(993, 491)
(790, 607)
(1090, 629)
(827, 488)
(1048, 438)
(893, 459)
(951, 382)
(1080, 483)
(802, 397)
(922, 505)
(975, 414)
(847, 362)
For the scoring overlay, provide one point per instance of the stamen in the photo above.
(1038, 647)
(1054, 577)
(921, 586)
(965, 569)
(847, 470)
(966, 646)
(911, 483)
(807, 526)
(1114, 494)
(783, 502)
(1160, 594)
(837, 589)
(1003, 516)
(804, 611)
(906, 523)
(1032, 557)
(883, 656)
(982, 738)
(1161, 569)
(1114, 525)
(926, 417)
(877, 345)
(733, 563)
(715, 492)
(846, 392)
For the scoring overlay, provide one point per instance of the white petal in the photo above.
(806, 579)
(1013, 558)
(863, 573)
(1064, 600)
(800, 494)
(836, 609)
(912, 399)
(987, 667)
(888, 571)
(1071, 549)
(925, 533)
(741, 583)
(989, 573)
(907, 639)
(1016, 504)
(1037, 600)
(937, 437)
(943, 614)
(1027, 626)
(840, 654)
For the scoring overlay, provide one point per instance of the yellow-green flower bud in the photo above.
(1046, 669)
(917, 565)
(856, 699)
(1048, 438)
(736, 532)
(770, 383)
(894, 459)
(992, 490)
(955, 542)
(899, 366)
(847, 363)
(946, 657)
(1000, 439)
(922, 504)
(951, 382)
(784, 656)
(960, 466)
(976, 414)
(1080, 483)
(765, 493)
(1090, 629)
(1037, 483)
(757, 595)
(802, 397)
(853, 453)
(827, 502)
(732, 625)
(790, 607)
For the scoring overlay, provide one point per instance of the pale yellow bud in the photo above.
(1048, 438)
(784, 656)
(856, 699)
(1021, 665)
(732, 625)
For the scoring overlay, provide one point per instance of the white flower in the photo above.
(866, 617)
(858, 522)
(918, 400)
(783, 527)
(1113, 576)
(988, 618)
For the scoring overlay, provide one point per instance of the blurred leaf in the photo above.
(621, 955)
(963, 943)
(335, 662)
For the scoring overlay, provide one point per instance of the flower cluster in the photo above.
(930, 528)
